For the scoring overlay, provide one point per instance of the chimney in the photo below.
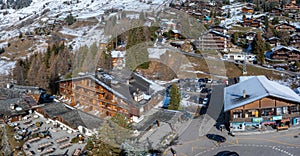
(244, 94)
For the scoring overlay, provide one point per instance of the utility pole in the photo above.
(244, 64)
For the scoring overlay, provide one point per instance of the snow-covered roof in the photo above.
(118, 54)
(176, 31)
(219, 33)
(256, 88)
(284, 23)
(284, 47)
(273, 38)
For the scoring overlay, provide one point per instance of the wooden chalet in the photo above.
(284, 53)
(246, 9)
(285, 27)
(276, 12)
(295, 40)
(219, 28)
(292, 7)
(250, 22)
(274, 41)
(257, 101)
(213, 40)
(105, 95)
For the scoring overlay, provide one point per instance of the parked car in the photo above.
(201, 80)
(267, 66)
(205, 101)
(216, 137)
(280, 69)
(205, 90)
(227, 153)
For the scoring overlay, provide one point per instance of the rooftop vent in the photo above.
(244, 94)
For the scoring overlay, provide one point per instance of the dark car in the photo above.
(227, 153)
(205, 90)
(216, 137)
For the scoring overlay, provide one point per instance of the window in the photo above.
(279, 111)
(237, 114)
(267, 112)
(294, 109)
(251, 113)
(285, 110)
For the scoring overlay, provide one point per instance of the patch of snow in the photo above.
(6, 67)
(155, 53)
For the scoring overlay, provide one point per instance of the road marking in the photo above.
(230, 142)
(274, 141)
(279, 136)
(249, 145)
(183, 154)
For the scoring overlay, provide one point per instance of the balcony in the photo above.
(94, 89)
(95, 97)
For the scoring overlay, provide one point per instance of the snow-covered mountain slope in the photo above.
(17, 17)
(28, 18)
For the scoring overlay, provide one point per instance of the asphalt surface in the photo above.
(276, 144)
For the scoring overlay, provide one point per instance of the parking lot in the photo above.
(197, 91)
(44, 138)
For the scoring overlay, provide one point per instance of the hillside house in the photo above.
(248, 10)
(284, 53)
(285, 27)
(295, 40)
(274, 41)
(276, 12)
(251, 22)
(213, 40)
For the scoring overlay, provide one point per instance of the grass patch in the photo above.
(11, 140)
(274, 75)
(75, 140)
(229, 69)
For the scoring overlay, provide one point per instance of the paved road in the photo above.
(275, 144)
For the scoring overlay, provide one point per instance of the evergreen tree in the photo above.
(111, 135)
(266, 23)
(2, 50)
(175, 97)
(259, 47)
(228, 14)
(70, 19)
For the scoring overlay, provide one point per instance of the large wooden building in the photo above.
(105, 95)
(295, 40)
(213, 40)
(285, 27)
(259, 101)
(284, 53)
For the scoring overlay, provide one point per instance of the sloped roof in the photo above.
(284, 47)
(122, 89)
(256, 88)
(284, 24)
(73, 117)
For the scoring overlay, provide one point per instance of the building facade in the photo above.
(105, 96)
(284, 53)
(257, 101)
(213, 40)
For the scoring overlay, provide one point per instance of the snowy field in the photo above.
(6, 67)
